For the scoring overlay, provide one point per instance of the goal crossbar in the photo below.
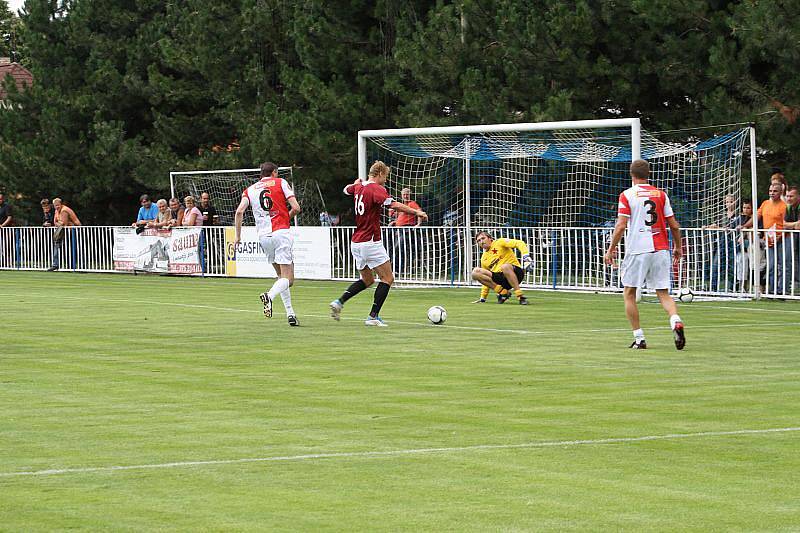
(633, 123)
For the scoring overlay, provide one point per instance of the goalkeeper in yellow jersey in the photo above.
(500, 269)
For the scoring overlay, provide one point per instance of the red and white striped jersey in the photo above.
(268, 200)
(647, 208)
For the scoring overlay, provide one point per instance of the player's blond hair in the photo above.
(640, 169)
(378, 168)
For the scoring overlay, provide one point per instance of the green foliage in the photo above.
(126, 91)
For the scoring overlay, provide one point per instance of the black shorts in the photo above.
(500, 278)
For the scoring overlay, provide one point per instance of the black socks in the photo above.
(352, 290)
(381, 292)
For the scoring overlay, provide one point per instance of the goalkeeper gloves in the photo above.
(527, 262)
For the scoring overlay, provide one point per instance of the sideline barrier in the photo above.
(717, 262)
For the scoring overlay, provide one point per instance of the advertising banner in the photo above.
(172, 250)
(312, 254)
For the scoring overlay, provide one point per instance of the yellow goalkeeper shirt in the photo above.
(500, 253)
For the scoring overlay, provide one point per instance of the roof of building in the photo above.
(21, 75)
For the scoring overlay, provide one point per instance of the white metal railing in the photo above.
(717, 262)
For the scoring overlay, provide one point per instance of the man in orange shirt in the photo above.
(64, 218)
(771, 214)
(400, 249)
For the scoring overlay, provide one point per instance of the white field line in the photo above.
(424, 324)
(401, 452)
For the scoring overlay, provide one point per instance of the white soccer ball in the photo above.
(437, 314)
(685, 295)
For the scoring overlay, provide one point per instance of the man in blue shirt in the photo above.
(148, 212)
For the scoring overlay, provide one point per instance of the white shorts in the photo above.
(278, 247)
(652, 268)
(368, 254)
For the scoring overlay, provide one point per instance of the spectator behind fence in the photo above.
(176, 209)
(400, 245)
(64, 218)
(723, 247)
(405, 219)
(772, 213)
(778, 177)
(743, 247)
(210, 217)
(164, 216)
(48, 213)
(6, 219)
(792, 221)
(192, 216)
(148, 212)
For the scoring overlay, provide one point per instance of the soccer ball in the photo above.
(685, 295)
(437, 314)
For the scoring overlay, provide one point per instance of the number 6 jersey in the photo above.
(647, 208)
(268, 199)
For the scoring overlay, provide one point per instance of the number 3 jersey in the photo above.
(647, 208)
(268, 199)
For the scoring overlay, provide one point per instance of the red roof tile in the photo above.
(21, 75)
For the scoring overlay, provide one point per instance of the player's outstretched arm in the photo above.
(238, 217)
(294, 207)
(403, 208)
(619, 231)
(677, 240)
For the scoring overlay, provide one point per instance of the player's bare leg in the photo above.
(632, 312)
(675, 321)
(511, 276)
(367, 279)
(484, 277)
(386, 276)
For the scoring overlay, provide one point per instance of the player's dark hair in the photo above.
(794, 188)
(144, 198)
(640, 169)
(483, 233)
(267, 169)
(747, 202)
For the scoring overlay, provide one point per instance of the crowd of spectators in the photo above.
(165, 214)
(776, 214)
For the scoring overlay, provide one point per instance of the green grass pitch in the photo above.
(138, 403)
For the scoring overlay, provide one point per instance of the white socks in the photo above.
(286, 296)
(638, 334)
(674, 319)
(281, 286)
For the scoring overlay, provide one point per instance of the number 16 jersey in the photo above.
(647, 208)
(268, 199)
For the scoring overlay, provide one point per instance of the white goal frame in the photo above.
(634, 124)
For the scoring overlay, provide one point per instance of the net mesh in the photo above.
(558, 177)
(226, 186)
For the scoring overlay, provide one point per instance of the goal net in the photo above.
(554, 177)
(225, 189)
(556, 185)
